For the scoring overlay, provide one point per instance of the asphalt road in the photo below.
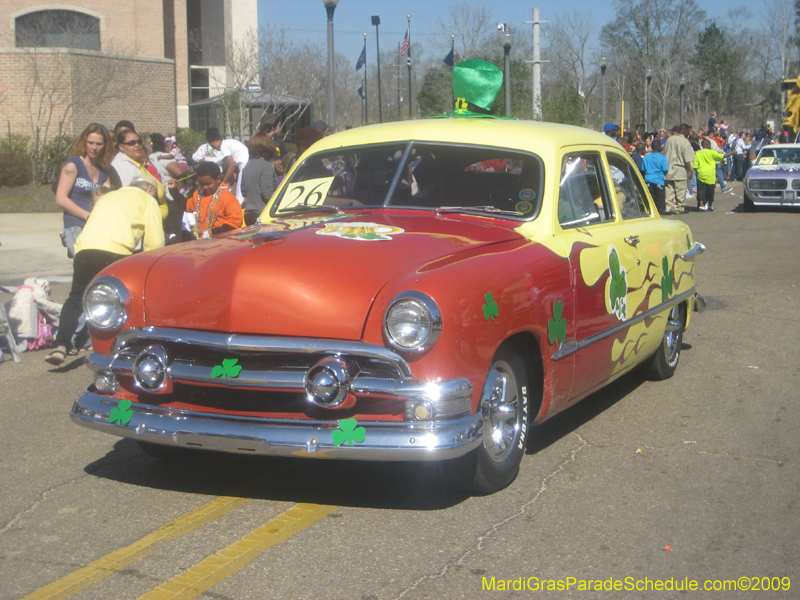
(706, 463)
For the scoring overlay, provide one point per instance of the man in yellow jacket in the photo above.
(118, 222)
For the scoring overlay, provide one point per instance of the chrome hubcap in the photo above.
(672, 335)
(500, 407)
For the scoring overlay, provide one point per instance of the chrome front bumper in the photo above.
(384, 441)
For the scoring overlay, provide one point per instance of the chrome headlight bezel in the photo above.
(120, 308)
(425, 340)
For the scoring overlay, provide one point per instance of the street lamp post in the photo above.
(330, 6)
(649, 75)
(682, 87)
(603, 67)
(376, 20)
(507, 40)
(706, 90)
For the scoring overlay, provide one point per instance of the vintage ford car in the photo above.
(420, 291)
(774, 178)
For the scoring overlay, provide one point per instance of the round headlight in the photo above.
(104, 303)
(413, 322)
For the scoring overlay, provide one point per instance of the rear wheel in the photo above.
(504, 406)
(664, 362)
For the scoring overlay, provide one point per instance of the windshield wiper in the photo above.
(301, 210)
(484, 209)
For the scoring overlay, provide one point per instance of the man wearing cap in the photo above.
(118, 222)
(235, 157)
(611, 130)
(680, 156)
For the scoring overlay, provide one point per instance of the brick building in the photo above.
(65, 64)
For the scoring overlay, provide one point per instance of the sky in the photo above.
(307, 19)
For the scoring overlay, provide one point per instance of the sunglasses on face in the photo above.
(133, 143)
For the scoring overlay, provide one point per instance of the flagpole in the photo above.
(364, 99)
(453, 52)
(408, 60)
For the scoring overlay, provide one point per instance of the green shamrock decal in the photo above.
(227, 369)
(557, 326)
(666, 280)
(122, 414)
(349, 433)
(490, 308)
(688, 243)
(618, 290)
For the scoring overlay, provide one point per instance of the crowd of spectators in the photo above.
(685, 170)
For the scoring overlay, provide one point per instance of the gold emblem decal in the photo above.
(361, 231)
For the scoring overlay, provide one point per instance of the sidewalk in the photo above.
(31, 247)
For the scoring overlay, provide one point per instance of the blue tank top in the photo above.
(81, 193)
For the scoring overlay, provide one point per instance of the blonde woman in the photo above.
(84, 172)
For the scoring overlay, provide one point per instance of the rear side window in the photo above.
(630, 195)
(582, 194)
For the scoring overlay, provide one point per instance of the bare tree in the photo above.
(66, 89)
(288, 68)
(660, 34)
(471, 26)
(572, 58)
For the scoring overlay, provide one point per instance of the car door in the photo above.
(657, 246)
(601, 262)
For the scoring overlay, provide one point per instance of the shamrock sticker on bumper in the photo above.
(348, 432)
(122, 414)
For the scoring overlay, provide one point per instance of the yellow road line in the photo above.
(210, 571)
(119, 559)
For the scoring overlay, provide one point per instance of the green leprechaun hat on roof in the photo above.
(476, 84)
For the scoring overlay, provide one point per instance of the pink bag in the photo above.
(45, 337)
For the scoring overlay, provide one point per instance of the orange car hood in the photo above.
(303, 278)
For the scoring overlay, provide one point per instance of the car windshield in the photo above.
(779, 156)
(418, 175)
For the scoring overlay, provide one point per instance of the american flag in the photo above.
(404, 45)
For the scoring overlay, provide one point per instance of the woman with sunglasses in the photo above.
(85, 171)
(132, 161)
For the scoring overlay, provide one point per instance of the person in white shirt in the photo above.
(206, 153)
(235, 156)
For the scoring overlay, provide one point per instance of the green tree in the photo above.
(565, 106)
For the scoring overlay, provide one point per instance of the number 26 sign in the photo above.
(306, 193)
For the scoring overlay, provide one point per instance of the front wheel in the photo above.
(748, 204)
(664, 362)
(504, 406)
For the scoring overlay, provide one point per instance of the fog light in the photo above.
(419, 410)
(150, 369)
(328, 382)
(106, 383)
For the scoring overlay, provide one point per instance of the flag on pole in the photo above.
(404, 46)
(360, 91)
(448, 60)
(362, 59)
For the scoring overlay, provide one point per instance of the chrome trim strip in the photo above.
(253, 343)
(696, 250)
(564, 352)
(384, 441)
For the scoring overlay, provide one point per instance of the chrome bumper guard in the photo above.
(384, 441)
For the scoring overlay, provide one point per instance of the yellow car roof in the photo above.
(534, 136)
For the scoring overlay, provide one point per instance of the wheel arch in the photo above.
(526, 345)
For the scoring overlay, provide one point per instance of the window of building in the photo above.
(57, 29)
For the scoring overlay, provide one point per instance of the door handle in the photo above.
(633, 240)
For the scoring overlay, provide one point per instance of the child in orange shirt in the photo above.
(215, 208)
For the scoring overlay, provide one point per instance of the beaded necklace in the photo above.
(211, 206)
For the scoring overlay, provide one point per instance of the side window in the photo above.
(631, 198)
(582, 196)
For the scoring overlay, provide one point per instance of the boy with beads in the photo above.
(214, 207)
